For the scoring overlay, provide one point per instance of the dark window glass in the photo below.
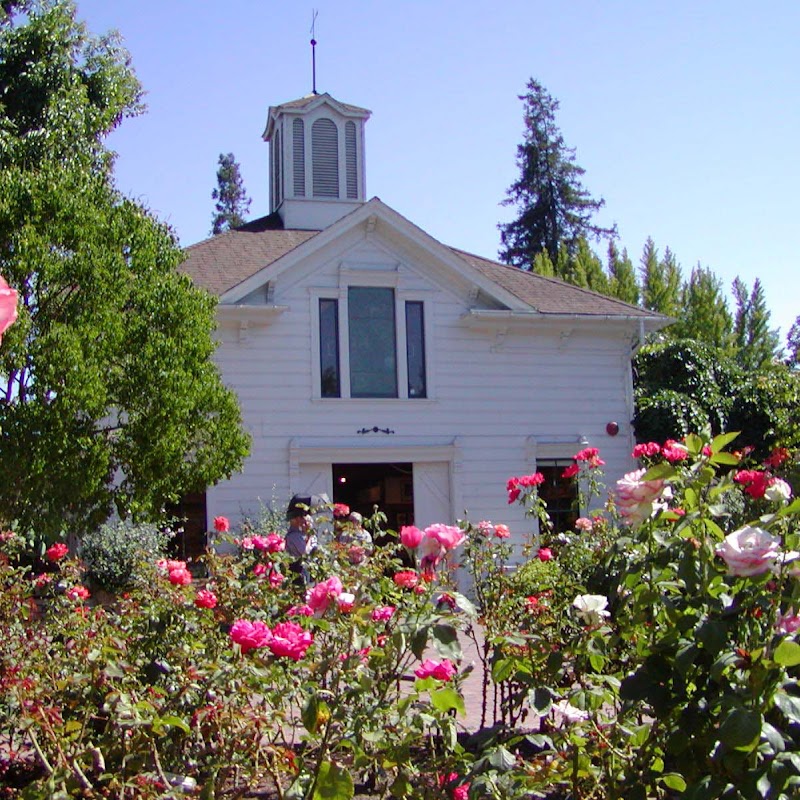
(373, 355)
(560, 494)
(415, 349)
(329, 347)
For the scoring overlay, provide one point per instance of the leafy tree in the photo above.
(622, 276)
(683, 386)
(705, 316)
(756, 345)
(553, 205)
(232, 201)
(111, 398)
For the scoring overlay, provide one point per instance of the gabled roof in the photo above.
(223, 262)
(306, 104)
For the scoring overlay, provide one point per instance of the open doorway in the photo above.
(388, 486)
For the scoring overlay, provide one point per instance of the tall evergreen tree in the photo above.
(756, 344)
(622, 276)
(554, 207)
(661, 280)
(590, 267)
(232, 201)
(793, 344)
(705, 316)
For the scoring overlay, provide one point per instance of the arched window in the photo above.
(351, 161)
(299, 157)
(325, 158)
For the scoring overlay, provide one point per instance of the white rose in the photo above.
(778, 491)
(591, 608)
(749, 551)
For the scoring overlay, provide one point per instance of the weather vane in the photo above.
(314, 14)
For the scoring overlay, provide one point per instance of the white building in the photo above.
(377, 365)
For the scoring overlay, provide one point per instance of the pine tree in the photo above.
(232, 201)
(554, 207)
(705, 316)
(661, 280)
(756, 345)
(793, 344)
(590, 268)
(622, 276)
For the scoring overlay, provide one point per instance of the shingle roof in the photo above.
(302, 102)
(222, 262)
(550, 295)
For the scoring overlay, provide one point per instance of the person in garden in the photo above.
(301, 541)
(358, 541)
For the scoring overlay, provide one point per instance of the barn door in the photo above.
(432, 493)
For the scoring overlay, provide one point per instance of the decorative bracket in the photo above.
(375, 429)
(499, 340)
(244, 330)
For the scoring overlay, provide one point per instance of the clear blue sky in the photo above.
(685, 115)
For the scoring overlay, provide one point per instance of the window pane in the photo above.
(415, 349)
(373, 358)
(560, 494)
(329, 347)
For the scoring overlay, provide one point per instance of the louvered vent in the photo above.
(325, 158)
(276, 140)
(299, 157)
(351, 161)
(280, 166)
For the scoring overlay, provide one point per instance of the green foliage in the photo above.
(756, 344)
(232, 202)
(554, 207)
(683, 386)
(661, 280)
(111, 396)
(622, 276)
(120, 554)
(705, 316)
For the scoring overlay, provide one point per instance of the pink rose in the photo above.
(440, 670)
(648, 449)
(275, 579)
(571, 471)
(788, 622)
(180, 577)
(168, 565)
(319, 598)
(584, 524)
(250, 635)
(382, 613)
(674, 451)
(340, 510)
(290, 640)
(442, 538)
(749, 551)
(300, 611)
(8, 307)
(406, 578)
(636, 498)
(461, 792)
(275, 543)
(221, 524)
(205, 599)
(58, 550)
(591, 455)
(77, 593)
(502, 531)
(544, 554)
(260, 569)
(410, 536)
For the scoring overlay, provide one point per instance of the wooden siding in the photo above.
(495, 397)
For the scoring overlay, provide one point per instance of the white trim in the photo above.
(259, 315)
(338, 451)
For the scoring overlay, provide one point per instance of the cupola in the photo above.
(316, 149)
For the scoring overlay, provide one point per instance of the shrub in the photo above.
(115, 553)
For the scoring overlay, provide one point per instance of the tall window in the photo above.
(370, 336)
(415, 349)
(329, 348)
(373, 353)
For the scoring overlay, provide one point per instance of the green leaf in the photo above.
(175, 722)
(724, 458)
(502, 759)
(787, 653)
(722, 440)
(502, 670)
(694, 443)
(333, 783)
(445, 640)
(448, 699)
(741, 729)
(309, 714)
(674, 781)
(789, 705)
(661, 471)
